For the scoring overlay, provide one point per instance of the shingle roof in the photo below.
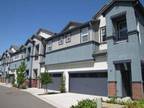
(46, 31)
(73, 23)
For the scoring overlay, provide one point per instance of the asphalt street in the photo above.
(13, 98)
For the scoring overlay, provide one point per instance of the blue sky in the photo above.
(19, 19)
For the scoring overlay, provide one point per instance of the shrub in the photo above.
(135, 104)
(14, 85)
(21, 74)
(86, 104)
(62, 86)
(23, 86)
(112, 100)
(45, 80)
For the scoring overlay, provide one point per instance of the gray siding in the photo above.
(126, 50)
(72, 65)
(77, 53)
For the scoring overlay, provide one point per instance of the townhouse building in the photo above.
(125, 39)
(32, 53)
(5, 62)
(35, 53)
(16, 58)
(103, 56)
(70, 53)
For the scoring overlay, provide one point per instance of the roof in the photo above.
(99, 12)
(71, 23)
(106, 7)
(15, 47)
(29, 40)
(86, 24)
(45, 31)
(136, 3)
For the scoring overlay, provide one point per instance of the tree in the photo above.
(21, 74)
(62, 86)
(45, 80)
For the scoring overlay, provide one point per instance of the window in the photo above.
(49, 48)
(35, 73)
(27, 74)
(16, 57)
(60, 41)
(120, 28)
(28, 53)
(103, 34)
(36, 52)
(68, 38)
(84, 35)
(22, 56)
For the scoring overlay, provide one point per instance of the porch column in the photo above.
(111, 79)
(111, 88)
(66, 76)
(119, 83)
(137, 83)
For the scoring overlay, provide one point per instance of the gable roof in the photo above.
(29, 40)
(99, 12)
(135, 3)
(71, 24)
(14, 46)
(86, 24)
(45, 31)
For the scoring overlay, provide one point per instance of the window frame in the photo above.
(101, 33)
(84, 32)
(116, 22)
(60, 41)
(49, 46)
(37, 49)
(29, 53)
(68, 38)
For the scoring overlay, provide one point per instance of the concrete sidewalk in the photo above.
(5, 85)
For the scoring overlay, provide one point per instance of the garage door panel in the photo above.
(56, 81)
(88, 85)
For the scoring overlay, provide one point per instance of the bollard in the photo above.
(99, 103)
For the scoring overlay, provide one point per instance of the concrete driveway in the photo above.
(13, 98)
(65, 100)
(61, 100)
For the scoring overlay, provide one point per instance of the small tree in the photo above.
(62, 86)
(21, 74)
(45, 80)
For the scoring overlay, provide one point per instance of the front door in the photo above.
(123, 78)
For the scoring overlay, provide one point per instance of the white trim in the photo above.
(103, 47)
(97, 67)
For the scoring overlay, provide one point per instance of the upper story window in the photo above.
(84, 34)
(103, 34)
(22, 56)
(28, 53)
(60, 41)
(120, 27)
(49, 46)
(68, 38)
(36, 52)
(16, 56)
